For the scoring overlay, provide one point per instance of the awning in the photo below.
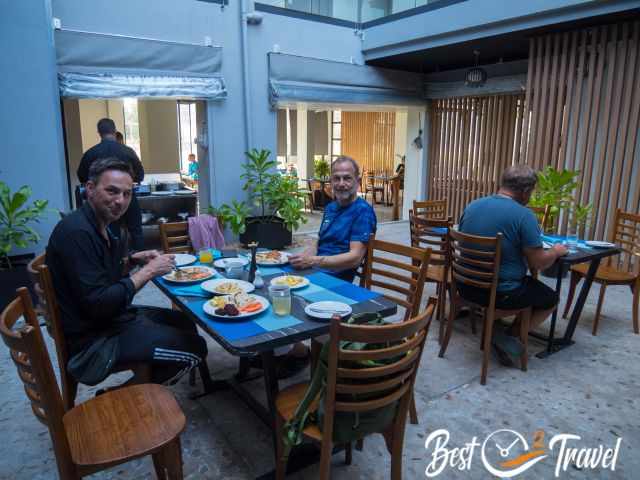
(303, 79)
(95, 65)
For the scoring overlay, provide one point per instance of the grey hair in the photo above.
(101, 165)
(519, 178)
(343, 159)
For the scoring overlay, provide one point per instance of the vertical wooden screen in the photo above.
(583, 104)
(472, 140)
(369, 138)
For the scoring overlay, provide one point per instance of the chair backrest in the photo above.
(423, 235)
(54, 323)
(175, 237)
(29, 353)
(543, 216)
(475, 262)
(397, 268)
(626, 234)
(379, 385)
(436, 209)
(34, 276)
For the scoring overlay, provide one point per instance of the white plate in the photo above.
(161, 192)
(284, 259)
(212, 285)
(221, 262)
(184, 192)
(211, 310)
(328, 308)
(169, 276)
(281, 281)
(599, 244)
(183, 259)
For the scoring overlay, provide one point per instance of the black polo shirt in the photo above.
(110, 148)
(87, 274)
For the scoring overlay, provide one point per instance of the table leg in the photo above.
(582, 298)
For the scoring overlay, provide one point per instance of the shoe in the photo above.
(507, 343)
(501, 356)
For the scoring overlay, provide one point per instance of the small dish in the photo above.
(214, 285)
(183, 259)
(325, 310)
(294, 282)
(599, 244)
(222, 262)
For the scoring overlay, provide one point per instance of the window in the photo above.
(187, 133)
(336, 134)
(132, 124)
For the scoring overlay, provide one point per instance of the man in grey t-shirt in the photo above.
(506, 212)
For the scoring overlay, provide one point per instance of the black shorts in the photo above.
(532, 293)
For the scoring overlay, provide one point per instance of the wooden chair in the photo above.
(624, 269)
(543, 214)
(373, 186)
(69, 385)
(424, 236)
(475, 262)
(175, 237)
(105, 431)
(392, 383)
(434, 209)
(307, 194)
(34, 276)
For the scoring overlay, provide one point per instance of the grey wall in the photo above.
(31, 141)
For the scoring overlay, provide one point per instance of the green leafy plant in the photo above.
(321, 168)
(15, 217)
(270, 193)
(555, 188)
(579, 216)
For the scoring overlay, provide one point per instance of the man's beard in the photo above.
(343, 196)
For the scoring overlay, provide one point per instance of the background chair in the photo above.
(434, 209)
(34, 276)
(373, 186)
(434, 234)
(175, 237)
(543, 216)
(624, 269)
(475, 262)
(382, 386)
(108, 430)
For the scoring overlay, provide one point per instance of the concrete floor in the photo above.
(588, 390)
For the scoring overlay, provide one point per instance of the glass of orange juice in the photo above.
(205, 256)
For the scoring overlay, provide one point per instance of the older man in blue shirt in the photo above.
(346, 226)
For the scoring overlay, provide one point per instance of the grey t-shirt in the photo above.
(489, 215)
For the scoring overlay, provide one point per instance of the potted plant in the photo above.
(555, 188)
(275, 199)
(321, 169)
(16, 218)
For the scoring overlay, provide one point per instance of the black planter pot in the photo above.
(269, 232)
(13, 278)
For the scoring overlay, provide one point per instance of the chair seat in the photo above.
(605, 274)
(286, 403)
(123, 424)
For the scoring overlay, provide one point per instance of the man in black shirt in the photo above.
(103, 330)
(110, 147)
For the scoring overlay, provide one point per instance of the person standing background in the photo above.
(110, 147)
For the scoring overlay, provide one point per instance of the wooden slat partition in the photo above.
(473, 140)
(369, 138)
(582, 112)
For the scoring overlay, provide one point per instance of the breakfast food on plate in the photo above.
(272, 256)
(229, 288)
(189, 274)
(234, 305)
(289, 280)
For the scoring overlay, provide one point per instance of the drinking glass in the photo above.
(205, 256)
(280, 299)
(572, 241)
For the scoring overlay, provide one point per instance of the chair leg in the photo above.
(168, 461)
(348, 452)
(452, 314)
(575, 278)
(360, 444)
(524, 338)
(636, 301)
(442, 296)
(488, 331)
(281, 463)
(413, 412)
(596, 321)
(325, 459)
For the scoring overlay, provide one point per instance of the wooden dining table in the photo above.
(261, 334)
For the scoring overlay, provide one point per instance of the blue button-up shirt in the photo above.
(342, 225)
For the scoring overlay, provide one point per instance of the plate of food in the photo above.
(224, 286)
(599, 244)
(232, 307)
(272, 258)
(294, 282)
(189, 274)
(325, 310)
(183, 259)
(223, 262)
